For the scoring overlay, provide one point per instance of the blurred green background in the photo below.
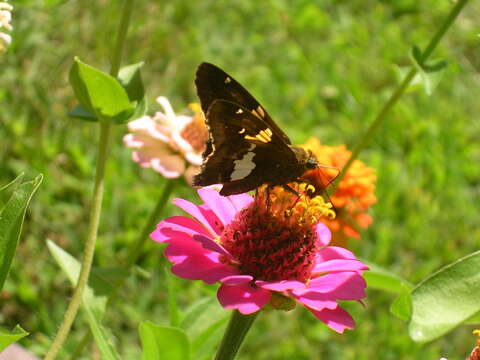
(321, 68)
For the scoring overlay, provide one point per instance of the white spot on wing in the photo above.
(244, 166)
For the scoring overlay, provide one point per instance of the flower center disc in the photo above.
(272, 239)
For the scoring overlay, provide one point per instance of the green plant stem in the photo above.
(87, 258)
(365, 140)
(234, 334)
(121, 36)
(96, 207)
(136, 248)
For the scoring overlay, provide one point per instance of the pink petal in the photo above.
(131, 142)
(181, 247)
(194, 158)
(240, 201)
(148, 127)
(244, 298)
(337, 319)
(193, 262)
(177, 223)
(236, 279)
(221, 205)
(202, 214)
(323, 234)
(333, 253)
(170, 166)
(180, 228)
(281, 285)
(338, 266)
(324, 291)
(154, 152)
(341, 286)
(212, 245)
(320, 302)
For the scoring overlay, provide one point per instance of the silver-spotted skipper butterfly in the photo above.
(246, 149)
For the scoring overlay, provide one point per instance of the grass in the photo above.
(321, 68)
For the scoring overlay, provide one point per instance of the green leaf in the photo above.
(474, 320)
(131, 79)
(417, 56)
(431, 66)
(163, 343)
(103, 280)
(80, 112)
(7, 190)
(140, 110)
(430, 80)
(100, 93)
(14, 183)
(204, 321)
(172, 301)
(8, 338)
(402, 306)
(446, 299)
(208, 339)
(382, 279)
(11, 220)
(429, 74)
(94, 306)
(434, 67)
(427, 81)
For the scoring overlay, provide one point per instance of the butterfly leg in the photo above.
(294, 192)
(291, 190)
(267, 194)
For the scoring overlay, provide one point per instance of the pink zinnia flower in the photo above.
(268, 250)
(169, 144)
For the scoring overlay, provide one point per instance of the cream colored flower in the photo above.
(5, 18)
(169, 144)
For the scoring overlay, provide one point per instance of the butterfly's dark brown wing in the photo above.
(246, 152)
(215, 84)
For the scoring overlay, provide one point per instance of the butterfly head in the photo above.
(311, 162)
(305, 158)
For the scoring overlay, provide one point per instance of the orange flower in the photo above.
(354, 194)
(475, 354)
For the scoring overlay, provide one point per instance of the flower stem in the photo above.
(87, 258)
(121, 36)
(400, 90)
(96, 207)
(232, 339)
(136, 248)
(134, 252)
